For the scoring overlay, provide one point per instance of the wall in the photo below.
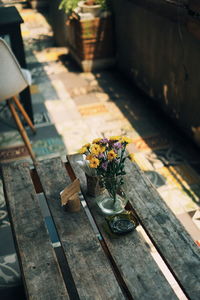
(159, 49)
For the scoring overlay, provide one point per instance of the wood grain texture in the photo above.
(89, 265)
(164, 8)
(169, 236)
(40, 270)
(139, 271)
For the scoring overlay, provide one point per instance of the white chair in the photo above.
(13, 80)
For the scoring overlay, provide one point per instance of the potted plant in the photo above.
(90, 33)
(104, 159)
(69, 6)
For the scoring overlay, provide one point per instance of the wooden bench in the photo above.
(89, 263)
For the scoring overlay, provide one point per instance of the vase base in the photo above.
(108, 208)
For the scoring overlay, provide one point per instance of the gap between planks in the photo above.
(59, 250)
(163, 266)
(154, 252)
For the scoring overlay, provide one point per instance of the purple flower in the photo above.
(104, 165)
(104, 141)
(101, 155)
(117, 146)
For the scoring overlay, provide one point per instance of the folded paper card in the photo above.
(69, 196)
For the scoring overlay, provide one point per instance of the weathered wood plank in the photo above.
(164, 8)
(131, 255)
(170, 238)
(89, 265)
(40, 270)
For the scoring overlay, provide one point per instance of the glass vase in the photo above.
(93, 186)
(112, 201)
(109, 205)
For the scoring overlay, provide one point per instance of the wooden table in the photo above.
(91, 264)
(10, 21)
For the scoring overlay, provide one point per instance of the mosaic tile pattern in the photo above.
(180, 176)
(41, 119)
(91, 110)
(148, 161)
(13, 153)
(49, 146)
(151, 143)
(9, 267)
(3, 211)
(10, 138)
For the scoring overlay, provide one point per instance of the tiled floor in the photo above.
(72, 108)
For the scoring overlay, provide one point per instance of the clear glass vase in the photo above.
(112, 201)
(94, 188)
(109, 205)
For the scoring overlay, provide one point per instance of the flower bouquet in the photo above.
(104, 158)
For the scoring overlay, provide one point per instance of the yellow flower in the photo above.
(94, 163)
(82, 150)
(131, 156)
(111, 155)
(126, 140)
(87, 145)
(102, 149)
(114, 138)
(96, 149)
(95, 141)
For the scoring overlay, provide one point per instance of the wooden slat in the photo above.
(170, 237)
(89, 265)
(164, 8)
(40, 270)
(131, 255)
